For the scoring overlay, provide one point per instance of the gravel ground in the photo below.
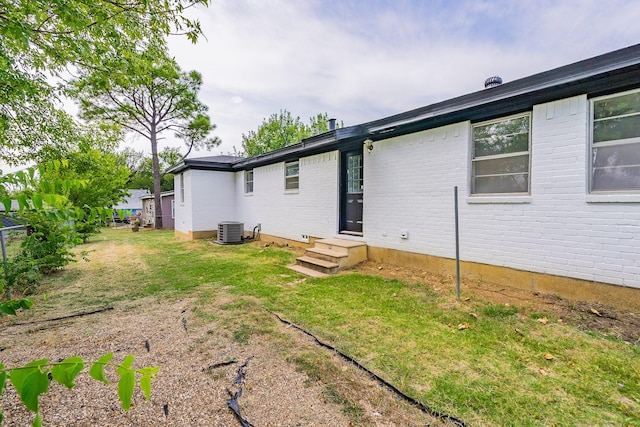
(186, 391)
(275, 394)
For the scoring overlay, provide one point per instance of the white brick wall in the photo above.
(556, 230)
(209, 198)
(310, 211)
(408, 186)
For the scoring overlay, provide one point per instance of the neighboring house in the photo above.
(149, 210)
(547, 167)
(132, 204)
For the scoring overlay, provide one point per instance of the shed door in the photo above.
(351, 198)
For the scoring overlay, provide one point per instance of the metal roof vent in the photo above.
(230, 232)
(492, 82)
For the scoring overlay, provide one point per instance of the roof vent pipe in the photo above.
(492, 82)
(332, 124)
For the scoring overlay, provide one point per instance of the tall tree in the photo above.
(151, 95)
(41, 39)
(141, 168)
(281, 130)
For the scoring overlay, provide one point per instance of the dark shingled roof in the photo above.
(220, 159)
(612, 72)
(220, 163)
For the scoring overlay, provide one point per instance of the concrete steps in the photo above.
(330, 255)
(306, 271)
(326, 267)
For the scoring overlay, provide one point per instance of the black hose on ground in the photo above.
(232, 403)
(424, 408)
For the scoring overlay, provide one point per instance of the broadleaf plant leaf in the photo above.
(145, 381)
(23, 204)
(127, 382)
(145, 385)
(7, 308)
(66, 371)
(97, 369)
(18, 375)
(37, 421)
(37, 201)
(3, 382)
(33, 385)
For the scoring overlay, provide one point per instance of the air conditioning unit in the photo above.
(230, 232)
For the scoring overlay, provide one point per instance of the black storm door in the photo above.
(352, 186)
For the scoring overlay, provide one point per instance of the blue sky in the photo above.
(364, 60)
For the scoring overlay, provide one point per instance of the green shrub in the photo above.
(86, 228)
(49, 242)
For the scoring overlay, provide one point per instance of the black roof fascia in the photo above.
(200, 165)
(338, 139)
(611, 83)
(609, 73)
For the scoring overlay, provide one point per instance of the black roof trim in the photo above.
(609, 73)
(216, 163)
(612, 72)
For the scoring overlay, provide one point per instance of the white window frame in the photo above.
(612, 143)
(289, 179)
(475, 160)
(173, 209)
(181, 176)
(248, 181)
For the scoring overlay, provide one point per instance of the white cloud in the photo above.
(364, 60)
(361, 61)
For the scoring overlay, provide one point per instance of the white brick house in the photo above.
(547, 167)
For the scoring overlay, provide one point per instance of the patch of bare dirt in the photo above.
(199, 360)
(584, 315)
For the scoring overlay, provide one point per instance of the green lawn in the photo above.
(465, 359)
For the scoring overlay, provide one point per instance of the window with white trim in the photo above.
(615, 143)
(292, 175)
(248, 181)
(501, 156)
(181, 176)
(173, 209)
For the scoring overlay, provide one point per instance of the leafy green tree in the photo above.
(40, 39)
(282, 130)
(47, 247)
(141, 168)
(93, 160)
(150, 96)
